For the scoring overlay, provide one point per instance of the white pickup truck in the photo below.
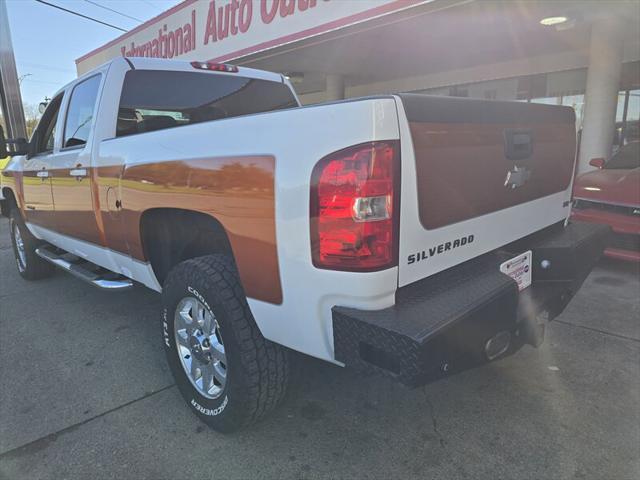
(414, 235)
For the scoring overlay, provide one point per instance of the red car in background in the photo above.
(611, 196)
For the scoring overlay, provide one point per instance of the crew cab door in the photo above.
(71, 165)
(36, 175)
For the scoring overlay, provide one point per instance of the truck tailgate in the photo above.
(476, 175)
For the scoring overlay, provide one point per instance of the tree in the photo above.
(31, 117)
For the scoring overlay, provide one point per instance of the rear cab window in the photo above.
(80, 114)
(154, 100)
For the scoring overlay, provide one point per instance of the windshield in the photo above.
(627, 157)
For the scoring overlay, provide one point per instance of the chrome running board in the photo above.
(84, 270)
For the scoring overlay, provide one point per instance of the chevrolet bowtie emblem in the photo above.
(517, 177)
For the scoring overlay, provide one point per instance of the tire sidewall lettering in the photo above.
(208, 411)
(203, 406)
(165, 328)
(166, 317)
(195, 292)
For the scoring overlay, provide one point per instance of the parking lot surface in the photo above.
(85, 393)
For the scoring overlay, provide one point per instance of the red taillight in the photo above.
(353, 205)
(215, 67)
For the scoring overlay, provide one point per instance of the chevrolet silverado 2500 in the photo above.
(413, 235)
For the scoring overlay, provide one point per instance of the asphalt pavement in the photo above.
(85, 393)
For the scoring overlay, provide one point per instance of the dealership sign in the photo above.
(222, 30)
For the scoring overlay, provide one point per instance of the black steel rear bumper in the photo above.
(442, 324)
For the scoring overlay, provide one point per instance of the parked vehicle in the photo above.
(611, 196)
(414, 235)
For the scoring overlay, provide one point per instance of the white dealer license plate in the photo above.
(519, 268)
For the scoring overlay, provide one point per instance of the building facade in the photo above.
(582, 54)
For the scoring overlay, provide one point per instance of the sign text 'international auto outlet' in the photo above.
(223, 30)
(222, 21)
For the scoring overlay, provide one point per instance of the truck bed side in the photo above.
(226, 169)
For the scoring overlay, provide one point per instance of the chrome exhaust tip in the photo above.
(497, 345)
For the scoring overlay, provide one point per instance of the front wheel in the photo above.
(30, 265)
(228, 373)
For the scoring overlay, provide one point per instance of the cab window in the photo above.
(80, 112)
(154, 100)
(44, 135)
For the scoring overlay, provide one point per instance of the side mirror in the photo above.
(597, 162)
(20, 146)
(3, 145)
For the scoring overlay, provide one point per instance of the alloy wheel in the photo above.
(200, 347)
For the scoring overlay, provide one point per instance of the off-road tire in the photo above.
(34, 267)
(257, 369)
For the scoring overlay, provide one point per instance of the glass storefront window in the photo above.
(560, 88)
(620, 108)
(569, 82)
(577, 103)
(633, 110)
(631, 125)
(548, 100)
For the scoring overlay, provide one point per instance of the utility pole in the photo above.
(10, 98)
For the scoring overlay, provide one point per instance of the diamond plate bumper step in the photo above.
(465, 316)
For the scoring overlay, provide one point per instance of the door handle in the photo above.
(78, 172)
(42, 174)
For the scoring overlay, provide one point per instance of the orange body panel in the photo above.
(461, 168)
(74, 206)
(237, 191)
(37, 197)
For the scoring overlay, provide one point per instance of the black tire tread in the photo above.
(265, 364)
(37, 268)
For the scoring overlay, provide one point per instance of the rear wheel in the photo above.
(228, 373)
(30, 265)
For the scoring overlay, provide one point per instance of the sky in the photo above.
(46, 41)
